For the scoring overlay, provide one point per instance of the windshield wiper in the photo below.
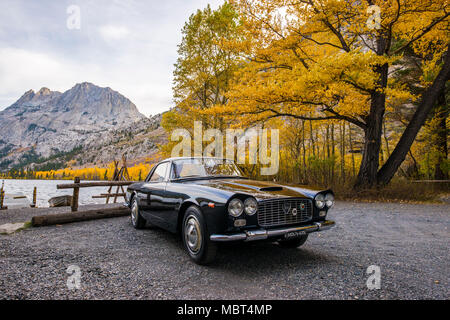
(190, 176)
(193, 177)
(226, 176)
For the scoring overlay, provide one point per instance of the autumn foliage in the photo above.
(137, 173)
(349, 84)
(358, 89)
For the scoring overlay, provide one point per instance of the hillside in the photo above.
(86, 125)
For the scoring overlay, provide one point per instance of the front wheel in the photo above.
(195, 237)
(137, 220)
(293, 243)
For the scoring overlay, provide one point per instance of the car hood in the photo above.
(259, 189)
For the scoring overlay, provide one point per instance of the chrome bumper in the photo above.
(261, 234)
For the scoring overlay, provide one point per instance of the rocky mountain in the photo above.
(87, 119)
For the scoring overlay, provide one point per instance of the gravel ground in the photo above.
(409, 242)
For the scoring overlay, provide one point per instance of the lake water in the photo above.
(46, 189)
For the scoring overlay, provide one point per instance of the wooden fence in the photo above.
(77, 184)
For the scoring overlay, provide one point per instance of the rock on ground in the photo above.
(9, 228)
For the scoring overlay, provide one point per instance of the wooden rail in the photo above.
(78, 184)
(108, 195)
(93, 184)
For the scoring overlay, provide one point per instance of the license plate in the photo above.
(294, 234)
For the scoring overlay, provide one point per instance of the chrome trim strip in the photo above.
(261, 234)
(228, 237)
(325, 225)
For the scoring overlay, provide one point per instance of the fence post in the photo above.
(76, 192)
(2, 196)
(2, 200)
(33, 205)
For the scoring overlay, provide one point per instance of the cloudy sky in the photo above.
(128, 45)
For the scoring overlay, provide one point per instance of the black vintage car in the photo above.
(208, 200)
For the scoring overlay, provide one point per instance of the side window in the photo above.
(173, 173)
(160, 173)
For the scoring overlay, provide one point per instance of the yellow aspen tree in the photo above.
(337, 59)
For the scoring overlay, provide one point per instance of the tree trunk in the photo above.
(441, 133)
(304, 152)
(343, 152)
(313, 144)
(333, 152)
(386, 140)
(429, 99)
(367, 176)
(350, 143)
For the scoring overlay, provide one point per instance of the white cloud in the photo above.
(112, 33)
(129, 46)
(21, 70)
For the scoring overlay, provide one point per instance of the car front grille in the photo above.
(278, 212)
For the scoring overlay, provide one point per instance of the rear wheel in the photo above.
(293, 243)
(195, 237)
(137, 220)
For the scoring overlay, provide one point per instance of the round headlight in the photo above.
(320, 201)
(235, 208)
(329, 200)
(250, 206)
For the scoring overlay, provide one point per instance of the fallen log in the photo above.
(62, 218)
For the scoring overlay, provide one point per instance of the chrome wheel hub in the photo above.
(134, 212)
(193, 235)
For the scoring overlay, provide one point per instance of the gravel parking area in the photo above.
(409, 242)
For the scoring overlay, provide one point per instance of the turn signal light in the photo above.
(240, 222)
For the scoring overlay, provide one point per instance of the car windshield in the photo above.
(204, 167)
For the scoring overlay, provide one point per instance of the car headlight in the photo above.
(320, 201)
(236, 207)
(250, 206)
(329, 200)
